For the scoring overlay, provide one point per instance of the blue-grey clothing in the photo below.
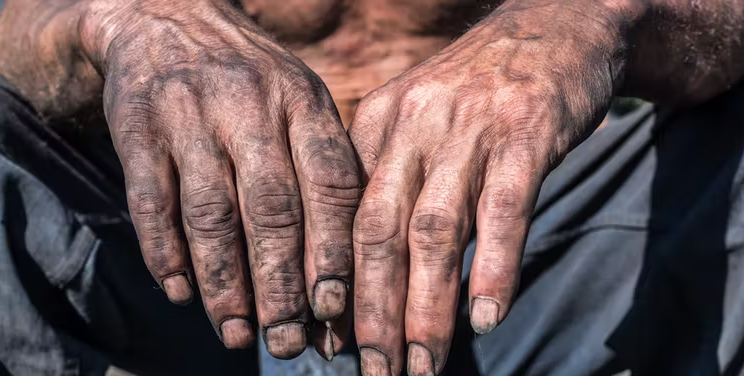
(633, 261)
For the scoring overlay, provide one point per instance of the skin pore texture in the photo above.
(236, 158)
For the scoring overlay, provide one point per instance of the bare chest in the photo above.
(358, 45)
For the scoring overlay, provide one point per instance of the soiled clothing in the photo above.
(633, 261)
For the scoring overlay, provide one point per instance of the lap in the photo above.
(75, 294)
(632, 261)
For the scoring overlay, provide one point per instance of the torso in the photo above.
(358, 45)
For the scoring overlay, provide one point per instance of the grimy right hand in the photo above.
(229, 143)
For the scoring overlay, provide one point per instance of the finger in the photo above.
(331, 336)
(329, 181)
(152, 197)
(212, 224)
(438, 233)
(381, 260)
(272, 217)
(365, 131)
(504, 210)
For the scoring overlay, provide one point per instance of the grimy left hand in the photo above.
(468, 135)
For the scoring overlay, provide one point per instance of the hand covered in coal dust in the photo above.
(235, 159)
(466, 138)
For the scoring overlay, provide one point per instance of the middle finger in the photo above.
(272, 217)
(438, 233)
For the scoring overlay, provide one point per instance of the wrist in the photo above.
(111, 28)
(584, 31)
(41, 54)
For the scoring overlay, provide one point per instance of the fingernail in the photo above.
(328, 346)
(374, 363)
(285, 341)
(484, 314)
(236, 333)
(178, 289)
(330, 299)
(420, 361)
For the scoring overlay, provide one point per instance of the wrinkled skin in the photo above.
(242, 183)
(466, 138)
(472, 130)
(228, 143)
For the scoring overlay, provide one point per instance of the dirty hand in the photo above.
(234, 156)
(467, 138)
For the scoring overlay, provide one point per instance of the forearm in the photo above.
(668, 51)
(685, 51)
(41, 54)
(55, 51)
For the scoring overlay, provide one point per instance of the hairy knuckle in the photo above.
(435, 229)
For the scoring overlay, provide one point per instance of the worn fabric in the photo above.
(634, 257)
(75, 295)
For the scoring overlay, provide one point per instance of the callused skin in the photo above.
(229, 141)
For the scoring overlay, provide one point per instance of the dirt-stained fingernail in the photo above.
(178, 289)
(328, 345)
(420, 361)
(329, 299)
(286, 341)
(484, 314)
(236, 333)
(374, 363)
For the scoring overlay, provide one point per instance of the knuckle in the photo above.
(331, 163)
(210, 215)
(134, 126)
(370, 105)
(505, 201)
(307, 94)
(415, 98)
(332, 178)
(376, 223)
(522, 112)
(274, 207)
(366, 105)
(333, 201)
(284, 291)
(433, 229)
(243, 74)
(146, 206)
